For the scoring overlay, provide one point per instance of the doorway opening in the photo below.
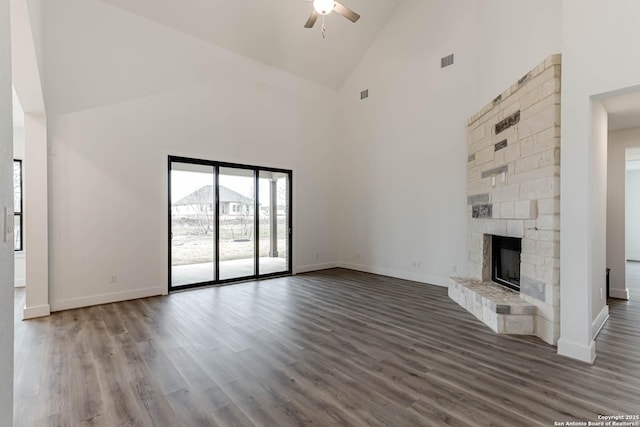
(227, 222)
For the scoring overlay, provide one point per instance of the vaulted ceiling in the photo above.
(272, 31)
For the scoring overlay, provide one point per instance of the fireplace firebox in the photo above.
(505, 260)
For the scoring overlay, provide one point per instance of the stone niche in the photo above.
(513, 189)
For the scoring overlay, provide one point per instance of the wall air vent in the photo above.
(364, 94)
(446, 61)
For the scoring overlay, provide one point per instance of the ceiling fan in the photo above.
(324, 7)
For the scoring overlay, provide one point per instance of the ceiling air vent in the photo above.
(446, 61)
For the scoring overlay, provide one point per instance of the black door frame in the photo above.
(216, 165)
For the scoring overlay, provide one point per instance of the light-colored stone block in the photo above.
(538, 122)
(515, 228)
(479, 186)
(510, 106)
(539, 189)
(506, 193)
(497, 227)
(474, 173)
(548, 249)
(545, 101)
(512, 152)
(490, 318)
(529, 246)
(548, 222)
(553, 262)
(531, 258)
(546, 274)
(525, 209)
(552, 295)
(507, 210)
(527, 269)
(548, 331)
(517, 325)
(537, 144)
(549, 206)
(484, 156)
(477, 134)
(535, 174)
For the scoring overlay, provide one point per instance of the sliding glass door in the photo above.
(274, 221)
(227, 222)
(236, 210)
(193, 232)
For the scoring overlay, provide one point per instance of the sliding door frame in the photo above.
(256, 238)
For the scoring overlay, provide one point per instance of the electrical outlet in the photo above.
(317, 255)
(601, 293)
(454, 268)
(114, 279)
(358, 255)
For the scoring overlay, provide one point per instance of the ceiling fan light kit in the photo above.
(324, 7)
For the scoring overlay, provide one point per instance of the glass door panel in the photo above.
(236, 211)
(273, 197)
(192, 197)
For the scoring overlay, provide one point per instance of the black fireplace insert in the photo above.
(505, 259)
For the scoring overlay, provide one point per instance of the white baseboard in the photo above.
(619, 293)
(314, 267)
(399, 274)
(599, 322)
(577, 351)
(19, 283)
(37, 311)
(67, 304)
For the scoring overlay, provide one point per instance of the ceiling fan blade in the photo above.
(346, 12)
(312, 19)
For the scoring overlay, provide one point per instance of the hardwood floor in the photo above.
(334, 347)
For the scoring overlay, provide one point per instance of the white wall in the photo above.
(618, 227)
(633, 215)
(6, 199)
(18, 153)
(27, 67)
(118, 102)
(597, 38)
(598, 215)
(404, 149)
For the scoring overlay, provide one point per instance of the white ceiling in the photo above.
(624, 111)
(272, 31)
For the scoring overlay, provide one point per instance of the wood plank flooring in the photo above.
(328, 348)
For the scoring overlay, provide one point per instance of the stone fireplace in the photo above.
(513, 188)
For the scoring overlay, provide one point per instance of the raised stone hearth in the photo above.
(513, 189)
(497, 307)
